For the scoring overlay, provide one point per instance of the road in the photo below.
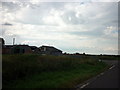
(107, 79)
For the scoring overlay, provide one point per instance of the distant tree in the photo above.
(77, 54)
(65, 53)
(83, 53)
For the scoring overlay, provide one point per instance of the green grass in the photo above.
(109, 57)
(35, 71)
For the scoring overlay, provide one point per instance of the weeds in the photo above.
(16, 67)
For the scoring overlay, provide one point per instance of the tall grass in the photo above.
(19, 66)
(109, 57)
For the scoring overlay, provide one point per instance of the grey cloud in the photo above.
(7, 24)
(10, 6)
(89, 33)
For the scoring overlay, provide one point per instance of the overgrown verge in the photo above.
(36, 71)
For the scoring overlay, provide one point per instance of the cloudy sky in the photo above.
(89, 26)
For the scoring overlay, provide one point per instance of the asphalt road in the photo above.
(107, 79)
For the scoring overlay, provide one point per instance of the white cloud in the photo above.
(111, 32)
(105, 0)
(54, 18)
(28, 42)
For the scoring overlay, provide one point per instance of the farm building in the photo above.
(16, 49)
(6, 49)
(26, 49)
(49, 50)
(1, 44)
(20, 49)
(35, 49)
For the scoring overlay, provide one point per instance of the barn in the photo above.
(50, 50)
(21, 49)
(35, 49)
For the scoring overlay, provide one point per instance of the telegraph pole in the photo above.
(13, 41)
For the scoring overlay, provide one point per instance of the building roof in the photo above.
(33, 47)
(8, 46)
(51, 47)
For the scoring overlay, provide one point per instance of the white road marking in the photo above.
(84, 85)
(112, 67)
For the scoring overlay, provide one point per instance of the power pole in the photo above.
(13, 41)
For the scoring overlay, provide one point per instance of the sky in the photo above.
(86, 26)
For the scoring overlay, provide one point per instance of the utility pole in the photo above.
(13, 41)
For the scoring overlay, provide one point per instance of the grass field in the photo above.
(108, 57)
(36, 71)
